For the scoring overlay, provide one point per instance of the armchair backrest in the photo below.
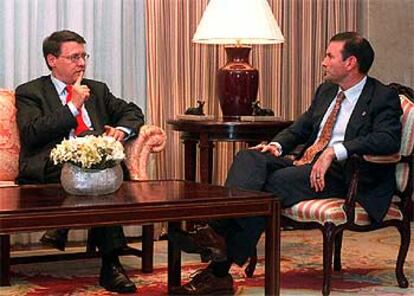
(407, 140)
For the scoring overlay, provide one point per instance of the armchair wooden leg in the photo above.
(252, 265)
(337, 251)
(147, 248)
(4, 260)
(405, 233)
(328, 241)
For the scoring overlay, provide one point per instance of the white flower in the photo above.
(89, 152)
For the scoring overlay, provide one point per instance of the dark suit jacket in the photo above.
(44, 122)
(374, 128)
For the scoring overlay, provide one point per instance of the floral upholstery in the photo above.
(151, 139)
(9, 137)
(331, 210)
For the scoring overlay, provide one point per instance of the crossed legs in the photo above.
(252, 170)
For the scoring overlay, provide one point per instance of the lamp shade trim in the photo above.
(238, 22)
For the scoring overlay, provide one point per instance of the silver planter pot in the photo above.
(79, 181)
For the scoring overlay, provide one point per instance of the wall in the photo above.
(389, 26)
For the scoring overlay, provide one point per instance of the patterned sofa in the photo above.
(151, 139)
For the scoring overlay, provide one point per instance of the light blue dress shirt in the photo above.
(61, 90)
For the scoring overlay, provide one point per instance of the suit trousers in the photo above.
(253, 170)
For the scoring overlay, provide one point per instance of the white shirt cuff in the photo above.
(129, 133)
(340, 151)
(278, 146)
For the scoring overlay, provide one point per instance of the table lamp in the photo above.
(237, 24)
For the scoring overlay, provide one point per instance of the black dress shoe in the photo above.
(206, 283)
(55, 238)
(113, 278)
(203, 240)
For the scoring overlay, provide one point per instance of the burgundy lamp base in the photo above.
(237, 83)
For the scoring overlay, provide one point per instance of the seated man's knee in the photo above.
(247, 155)
(279, 181)
(277, 178)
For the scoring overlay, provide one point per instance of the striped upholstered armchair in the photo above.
(334, 215)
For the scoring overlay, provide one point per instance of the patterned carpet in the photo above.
(368, 269)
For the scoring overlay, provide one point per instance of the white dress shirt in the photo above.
(338, 133)
(347, 107)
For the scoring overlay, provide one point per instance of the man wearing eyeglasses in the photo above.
(62, 105)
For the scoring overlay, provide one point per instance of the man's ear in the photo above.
(51, 60)
(351, 62)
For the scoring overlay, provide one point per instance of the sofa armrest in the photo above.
(151, 139)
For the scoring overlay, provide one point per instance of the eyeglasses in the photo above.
(75, 58)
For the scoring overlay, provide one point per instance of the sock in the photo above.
(224, 227)
(110, 258)
(220, 269)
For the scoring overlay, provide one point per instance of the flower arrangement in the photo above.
(90, 152)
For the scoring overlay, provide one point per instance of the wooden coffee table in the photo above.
(40, 207)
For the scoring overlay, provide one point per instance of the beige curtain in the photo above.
(179, 73)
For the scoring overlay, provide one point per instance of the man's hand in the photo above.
(272, 149)
(317, 175)
(117, 134)
(80, 93)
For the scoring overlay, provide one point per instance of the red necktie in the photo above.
(81, 127)
(325, 136)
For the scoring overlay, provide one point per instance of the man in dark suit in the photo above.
(351, 113)
(46, 116)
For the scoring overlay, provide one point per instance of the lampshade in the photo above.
(237, 23)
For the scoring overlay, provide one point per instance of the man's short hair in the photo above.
(52, 44)
(357, 46)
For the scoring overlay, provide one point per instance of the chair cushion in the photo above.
(331, 210)
(9, 137)
(407, 141)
